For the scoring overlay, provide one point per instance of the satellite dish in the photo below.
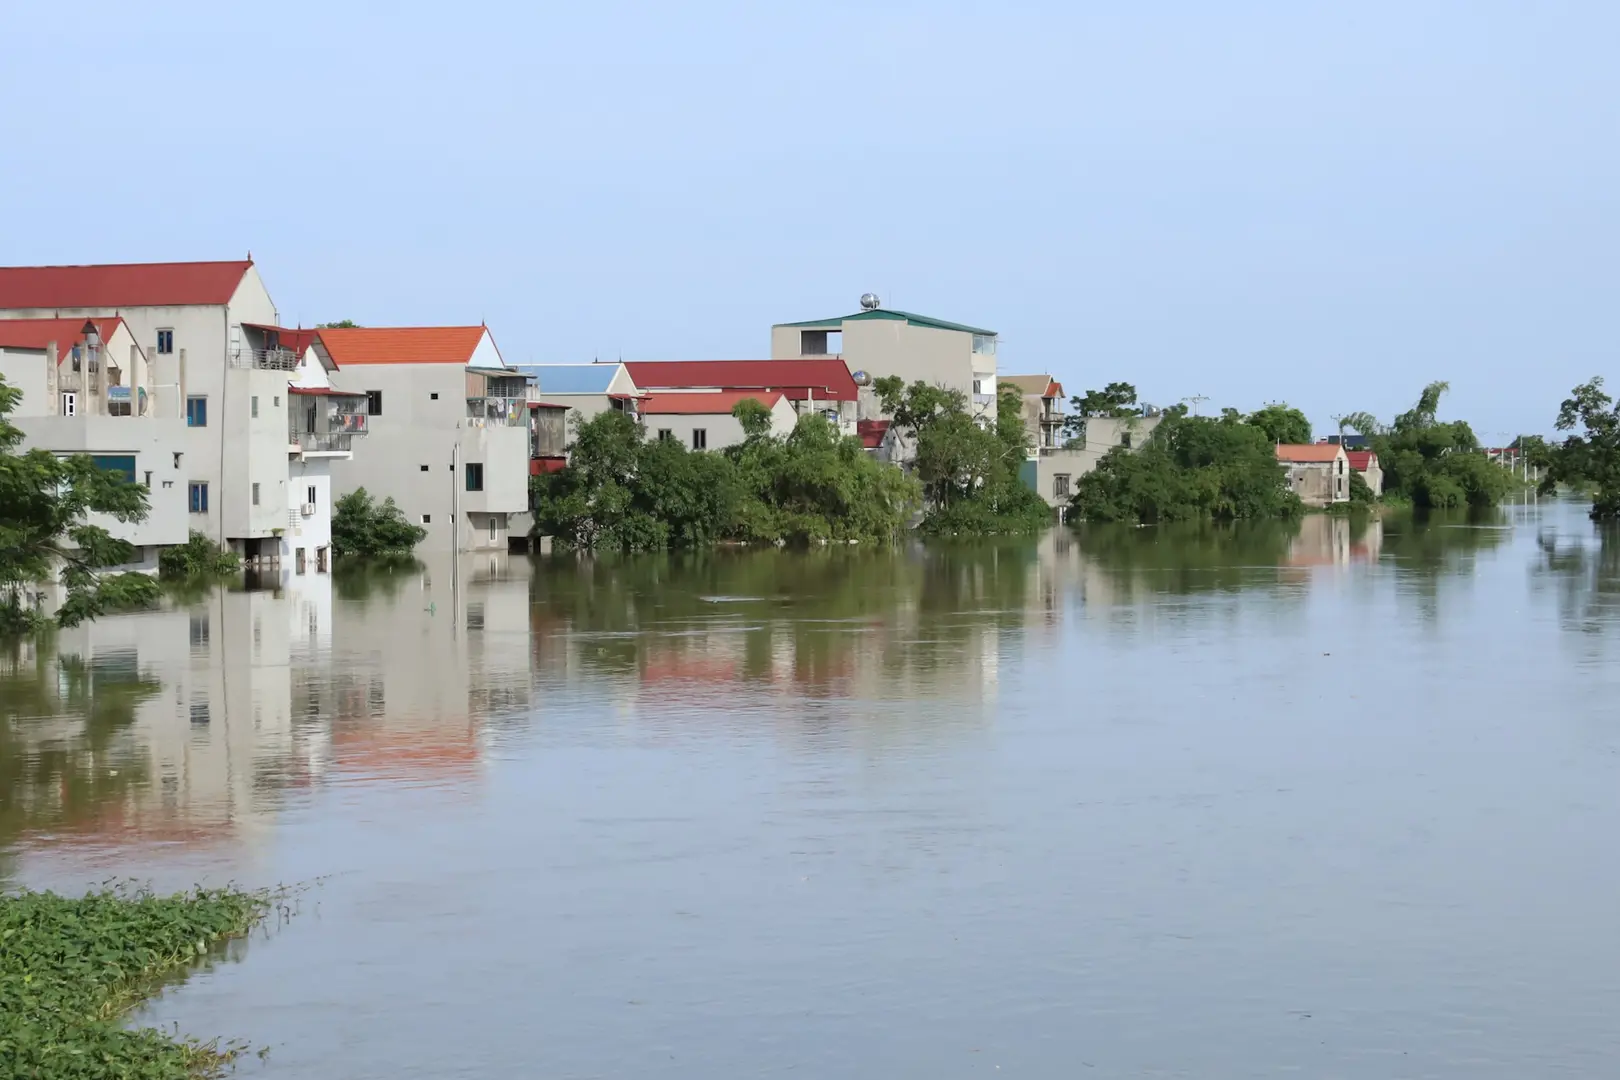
(870, 301)
(861, 378)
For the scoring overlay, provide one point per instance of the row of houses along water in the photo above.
(182, 377)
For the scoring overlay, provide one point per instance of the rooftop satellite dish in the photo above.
(870, 301)
(861, 378)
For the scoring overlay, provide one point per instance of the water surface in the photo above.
(1325, 800)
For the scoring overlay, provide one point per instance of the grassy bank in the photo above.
(70, 969)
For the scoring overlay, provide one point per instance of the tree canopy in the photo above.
(969, 468)
(363, 526)
(1191, 467)
(1281, 423)
(1592, 454)
(44, 504)
(621, 492)
(1430, 462)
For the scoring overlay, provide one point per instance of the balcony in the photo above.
(322, 442)
(984, 399)
(497, 411)
(265, 359)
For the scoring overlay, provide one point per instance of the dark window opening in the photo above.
(475, 476)
(374, 402)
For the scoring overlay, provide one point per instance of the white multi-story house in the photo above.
(191, 323)
(879, 341)
(448, 430)
(84, 391)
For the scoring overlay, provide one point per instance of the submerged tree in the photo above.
(1430, 462)
(362, 526)
(44, 504)
(1191, 467)
(1593, 454)
(969, 467)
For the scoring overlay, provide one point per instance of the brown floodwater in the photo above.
(1326, 800)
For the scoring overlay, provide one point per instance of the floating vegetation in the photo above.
(71, 968)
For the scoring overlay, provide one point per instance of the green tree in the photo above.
(754, 417)
(362, 526)
(44, 502)
(969, 469)
(341, 324)
(1591, 455)
(1191, 467)
(1281, 423)
(1429, 462)
(198, 557)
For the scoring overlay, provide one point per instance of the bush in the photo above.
(129, 592)
(361, 526)
(197, 557)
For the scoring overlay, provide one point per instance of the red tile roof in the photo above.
(120, 286)
(798, 379)
(704, 404)
(872, 432)
(401, 344)
(547, 405)
(38, 333)
(1308, 453)
(1361, 460)
(324, 391)
(297, 340)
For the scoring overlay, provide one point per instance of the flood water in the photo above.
(1322, 800)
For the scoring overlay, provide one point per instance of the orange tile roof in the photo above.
(1361, 460)
(123, 285)
(401, 344)
(1308, 453)
(704, 404)
(38, 333)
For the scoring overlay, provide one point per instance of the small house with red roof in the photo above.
(1319, 473)
(704, 420)
(818, 385)
(448, 430)
(1365, 462)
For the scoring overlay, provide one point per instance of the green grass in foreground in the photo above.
(70, 968)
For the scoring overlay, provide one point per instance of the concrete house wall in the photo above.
(722, 428)
(409, 448)
(1062, 468)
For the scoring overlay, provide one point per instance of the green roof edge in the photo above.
(890, 313)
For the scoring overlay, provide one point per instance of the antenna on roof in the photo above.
(250, 255)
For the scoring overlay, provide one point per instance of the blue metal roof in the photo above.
(571, 378)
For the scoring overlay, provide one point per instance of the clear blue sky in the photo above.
(1329, 203)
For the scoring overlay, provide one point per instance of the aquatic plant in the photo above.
(71, 967)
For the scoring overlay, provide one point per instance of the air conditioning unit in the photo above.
(308, 510)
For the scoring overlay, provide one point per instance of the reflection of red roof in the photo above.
(1361, 460)
(720, 402)
(127, 285)
(1308, 453)
(38, 333)
(452, 750)
(872, 432)
(798, 379)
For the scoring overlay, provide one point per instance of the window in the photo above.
(427, 519)
(424, 468)
(700, 438)
(199, 713)
(199, 630)
(1060, 486)
(165, 344)
(813, 343)
(492, 528)
(984, 344)
(978, 386)
(255, 494)
(310, 492)
(374, 402)
(177, 459)
(1125, 440)
(118, 408)
(196, 412)
(475, 476)
(320, 560)
(254, 403)
(148, 480)
(433, 396)
(70, 404)
(276, 401)
(199, 497)
(665, 434)
(123, 464)
(298, 562)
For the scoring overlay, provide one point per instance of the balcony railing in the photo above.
(508, 411)
(984, 399)
(265, 359)
(321, 441)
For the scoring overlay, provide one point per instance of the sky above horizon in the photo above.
(1327, 204)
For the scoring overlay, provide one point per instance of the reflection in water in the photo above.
(1130, 796)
